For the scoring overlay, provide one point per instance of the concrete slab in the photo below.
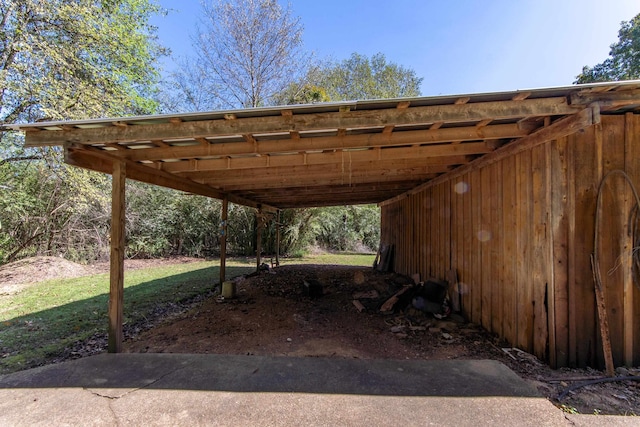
(181, 389)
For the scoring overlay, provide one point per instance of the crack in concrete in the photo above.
(571, 422)
(97, 393)
(115, 416)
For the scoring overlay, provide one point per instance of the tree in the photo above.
(246, 52)
(66, 59)
(623, 62)
(360, 77)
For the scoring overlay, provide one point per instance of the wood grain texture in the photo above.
(116, 286)
(519, 233)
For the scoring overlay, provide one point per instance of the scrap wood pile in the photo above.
(414, 307)
(409, 307)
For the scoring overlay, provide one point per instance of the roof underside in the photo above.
(323, 154)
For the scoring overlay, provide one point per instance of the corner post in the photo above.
(116, 287)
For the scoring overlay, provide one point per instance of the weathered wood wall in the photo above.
(520, 235)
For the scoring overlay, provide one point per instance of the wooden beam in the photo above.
(116, 278)
(329, 189)
(430, 154)
(607, 100)
(476, 111)
(431, 136)
(223, 240)
(301, 204)
(338, 198)
(298, 175)
(563, 127)
(101, 162)
(401, 176)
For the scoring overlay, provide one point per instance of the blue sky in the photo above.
(458, 47)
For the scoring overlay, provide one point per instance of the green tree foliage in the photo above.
(66, 59)
(62, 59)
(355, 78)
(350, 228)
(623, 62)
(48, 209)
(360, 77)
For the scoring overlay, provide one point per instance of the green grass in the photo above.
(39, 323)
(346, 258)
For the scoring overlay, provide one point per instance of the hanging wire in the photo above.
(634, 225)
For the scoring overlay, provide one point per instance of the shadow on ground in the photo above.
(278, 374)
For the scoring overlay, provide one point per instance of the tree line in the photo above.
(64, 60)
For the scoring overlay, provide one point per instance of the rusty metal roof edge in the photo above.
(322, 107)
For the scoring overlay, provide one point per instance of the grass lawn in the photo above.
(39, 323)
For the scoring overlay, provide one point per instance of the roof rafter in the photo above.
(442, 135)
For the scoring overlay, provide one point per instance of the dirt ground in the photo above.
(272, 314)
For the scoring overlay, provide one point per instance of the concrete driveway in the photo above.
(183, 389)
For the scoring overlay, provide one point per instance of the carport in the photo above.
(500, 187)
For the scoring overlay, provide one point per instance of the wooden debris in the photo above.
(358, 305)
(387, 307)
(358, 278)
(372, 294)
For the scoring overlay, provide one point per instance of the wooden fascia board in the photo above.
(607, 100)
(103, 163)
(496, 110)
(338, 142)
(563, 127)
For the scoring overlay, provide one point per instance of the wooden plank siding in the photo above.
(519, 233)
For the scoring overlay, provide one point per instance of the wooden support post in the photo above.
(258, 239)
(278, 238)
(116, 289)
(223, 240)
(626, 245)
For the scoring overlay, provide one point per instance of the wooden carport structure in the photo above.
(499, 186)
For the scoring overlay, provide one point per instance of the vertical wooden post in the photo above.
(626, 246)
(278, 238)
(258, 239)
(116, 289)
(223, 240)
